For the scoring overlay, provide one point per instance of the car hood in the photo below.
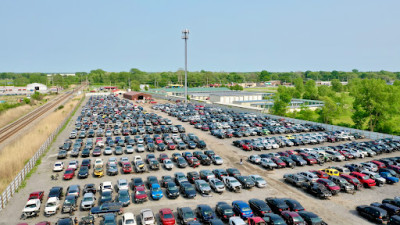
(50, 208)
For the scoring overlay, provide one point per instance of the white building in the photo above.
(36, 87)
(230, 97)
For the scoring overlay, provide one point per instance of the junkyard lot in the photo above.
(338, 210)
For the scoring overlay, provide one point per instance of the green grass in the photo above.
(262, 89)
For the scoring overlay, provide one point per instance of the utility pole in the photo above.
(185, 36)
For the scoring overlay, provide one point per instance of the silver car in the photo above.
(217, 160)
(203, 187)
(88, 201)
(259, 181)
(217, 185)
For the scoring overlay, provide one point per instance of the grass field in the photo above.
(14, 156)
(262, 89)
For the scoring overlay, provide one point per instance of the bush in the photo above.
(27, 100)
(60, 107)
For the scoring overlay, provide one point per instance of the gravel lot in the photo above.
(338, 210)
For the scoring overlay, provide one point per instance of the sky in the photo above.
(225, 35)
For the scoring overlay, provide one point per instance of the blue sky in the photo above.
(225, 35)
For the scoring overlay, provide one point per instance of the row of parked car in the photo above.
(386, 212)
(320, 155)
(186, 185)
(351, 177)
(113, 166)
(224, 123)
(272, 211)
(268, 143)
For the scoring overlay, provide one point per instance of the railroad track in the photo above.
(13, 128)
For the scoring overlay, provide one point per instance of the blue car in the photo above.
(242, 209)
(124, 197)
(156, 192)
(389, 178)
(105, 196)
(109, 219)
(205, 213)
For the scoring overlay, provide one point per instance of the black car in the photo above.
(83, 172)
(187, 190)
(215, 222)
(151, 180)
(85, 152)
(294, 205)
(233, 172)
(172, 190)
(65, 221)
(201, 144)
(246, 181)
(311, 218)
(165, 179)
(275, 219)
(259, 207)
(56, 192)
(181, 162)
(224, 211)
(186, 215)
(318, 190)
(390, 209)
(204, 160)
(89, 188)
(192, 176)
(394, 220)
(136, 182)
(277, 205)
(373, 213)
(395, 202)
(205, 213)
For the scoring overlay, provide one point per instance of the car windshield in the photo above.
(330, 183)
(123, 194)
(156, 189)
(106, 194)
(30, 206)
(298, 219)
(140, 192)
(69, 172)
(245, 208)
(228, 212)
(218, 183)
(189, 188)
(316, 220)
(130, 221)
(168, 216)
(87, 199)
(122, 183)
(355, 180)
(50, 204)
(365, 177)
(204, 185)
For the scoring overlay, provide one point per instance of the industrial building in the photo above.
(133, 95)
(28, 90)
(234, 96)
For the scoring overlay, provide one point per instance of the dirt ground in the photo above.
(339, 210)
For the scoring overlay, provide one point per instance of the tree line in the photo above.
(195, 79)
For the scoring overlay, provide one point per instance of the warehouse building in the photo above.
(232, 96)
(133, 95)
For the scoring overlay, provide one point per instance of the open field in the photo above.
(14, 155)
(262, 89)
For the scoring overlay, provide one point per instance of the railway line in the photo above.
(13, 128)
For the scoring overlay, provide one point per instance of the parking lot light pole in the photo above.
(185, 35)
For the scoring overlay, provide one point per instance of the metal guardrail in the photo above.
(7, 194)
(328, 127)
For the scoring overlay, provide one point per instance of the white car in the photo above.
(310, 177)
(217, 185)
(122, 184)
(259, 181)
(52, 206)
(235, 220)
(106, 186)
(112, 160)
(98, 163)
(147, 217)
(168, 164)
(217, 160)
(32, 207)
(100, 144)
(73, 164)
(58, 166)
(108, 151)
(129, 149)
(128, 219)
(140, 148)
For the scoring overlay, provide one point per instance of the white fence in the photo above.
(7, 194)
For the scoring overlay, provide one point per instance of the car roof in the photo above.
(129, 216)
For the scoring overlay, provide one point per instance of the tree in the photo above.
(236, 88)
(329, 111)
(282, 100)
(336, 85)
(264, 76)
(375, 103)
(298, 83)
(310, 90)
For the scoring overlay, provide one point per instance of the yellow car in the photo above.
(289, 137)
(331, 172)
(98, 171)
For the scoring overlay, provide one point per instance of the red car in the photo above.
(140, 194)
(247, 147)
(36, 195)
(256, 221)
(159, 140)
(126, 167)
(193, 122)
(380, 165)
(43, 223)
(193, 162)
(283, 154)
(292, 152)
(166, 216)
(320, 174)
(364, 179)
(346, 154)
(352, 180)
(278, 162)
(69, 174)
(171, 146)
(292, 218)
(330, 185)
(309, 159)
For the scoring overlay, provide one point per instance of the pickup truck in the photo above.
(106, 186)
(232, 184)
(108, 207)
